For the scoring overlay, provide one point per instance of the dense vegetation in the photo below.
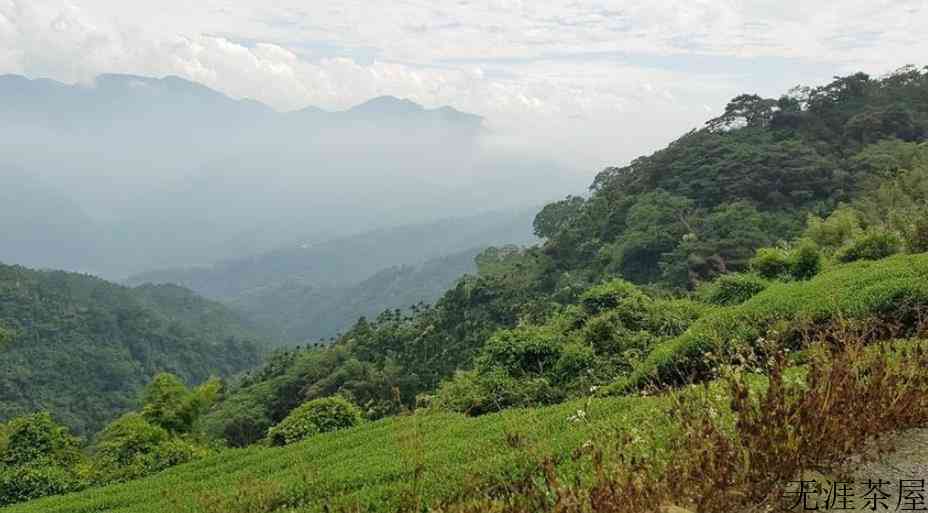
(744, 435)
(82, 348)
(816, 178)
(786, 226)
(39, 457)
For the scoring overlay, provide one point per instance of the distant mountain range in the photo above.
(307, 292)
(114, 101)
(130, 173)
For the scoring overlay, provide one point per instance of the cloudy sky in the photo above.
(594, 82)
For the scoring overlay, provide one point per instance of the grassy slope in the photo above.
(374, 465)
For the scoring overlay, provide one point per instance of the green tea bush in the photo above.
(872, 245)
(608, 296)
(378, 466)
(732, 289)
(39, 478)
(889, 295)
(316, 416)
(578, 349)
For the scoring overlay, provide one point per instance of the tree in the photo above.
(655, 225)
(521, 351)
(169, 404)
(128, 438)
(166, 403)
(842, 225)
(747, 110)
(37, 437)
(38, 457)
(554, 217)
(132, 447)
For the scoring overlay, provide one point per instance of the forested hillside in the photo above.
(310, 292)
(769, 172)
(83, 348)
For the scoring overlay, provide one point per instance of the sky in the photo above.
(594, 83)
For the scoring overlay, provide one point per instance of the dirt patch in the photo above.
(905, 466)
(874, 483)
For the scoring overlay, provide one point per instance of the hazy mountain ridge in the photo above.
(112, 100)
(305, 314)
(312, 291)
(171, 173)
(349, 260)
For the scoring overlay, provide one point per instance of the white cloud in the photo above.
(574, 73)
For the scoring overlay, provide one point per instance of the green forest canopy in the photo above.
(83, 348)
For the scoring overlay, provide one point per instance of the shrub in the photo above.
(805, 260)
(243, 431)
(917, 236)
(578, 348)
(38, 458)
(842, 225)
(313, 417)
(40, 478)
(37, 436)
(799, 263)
(872, 245)
(888, 297)
(131, 447)
(575, 360)
(520, 351)
(771, 263)
(462, 393)
(732, 289)
(627, 306)
(129, 437)
(477, 393)
(608, 295)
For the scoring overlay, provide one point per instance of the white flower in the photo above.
(577, 417)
